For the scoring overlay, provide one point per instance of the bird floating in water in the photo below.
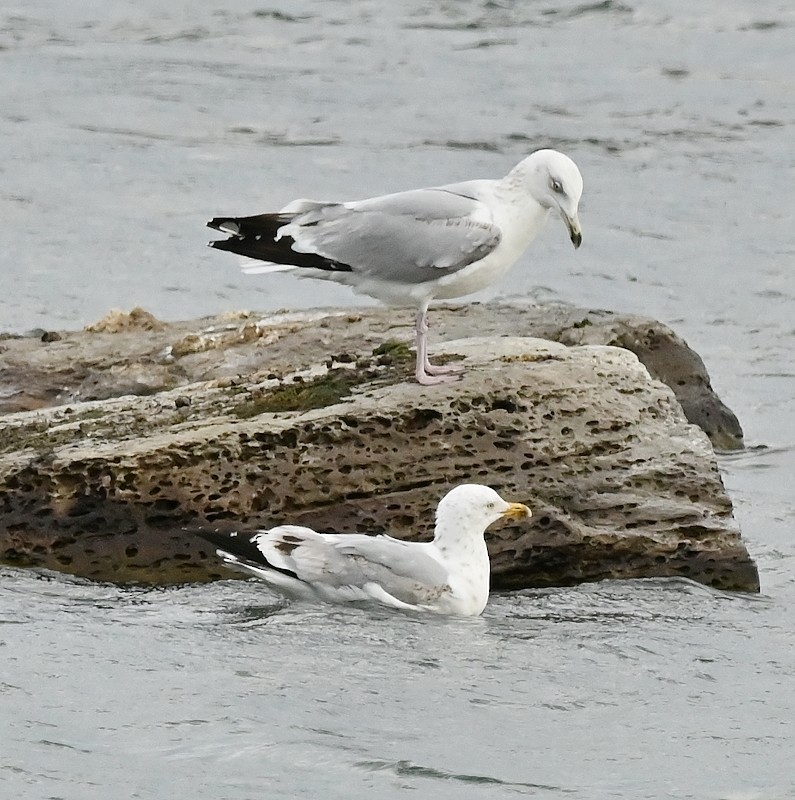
(409, 248)
(449, 575)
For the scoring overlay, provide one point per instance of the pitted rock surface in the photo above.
(136, 354)
(621, 484)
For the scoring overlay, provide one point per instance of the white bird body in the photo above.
(449, 575)
(412, 247)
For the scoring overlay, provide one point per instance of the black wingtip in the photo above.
(238, 544)
(220, 539)
(242, 547)
(259, 237)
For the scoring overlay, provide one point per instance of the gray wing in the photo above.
(403, 570)
(409, 237)
(403, 559)
(334, 562)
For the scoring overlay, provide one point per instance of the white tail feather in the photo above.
(253, 267)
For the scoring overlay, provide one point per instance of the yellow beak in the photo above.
(517, 511)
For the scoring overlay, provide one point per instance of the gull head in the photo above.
(555, 183)
(478, 506)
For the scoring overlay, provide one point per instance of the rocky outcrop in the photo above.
(145, 356)
(314, 420)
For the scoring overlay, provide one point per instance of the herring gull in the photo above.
(449, 575)
(412, 247)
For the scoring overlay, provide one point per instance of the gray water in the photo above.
(124, 126)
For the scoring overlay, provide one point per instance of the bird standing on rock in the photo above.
(413, 247)
(449, 575)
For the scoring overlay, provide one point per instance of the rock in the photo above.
(622, 485)
(116, 320)
(144, 356)
(668, 359)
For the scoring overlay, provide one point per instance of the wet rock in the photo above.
(622, 485)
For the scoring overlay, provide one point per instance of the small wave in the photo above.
(407, 769)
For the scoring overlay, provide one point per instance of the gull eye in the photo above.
(489, 505)
(556, 186)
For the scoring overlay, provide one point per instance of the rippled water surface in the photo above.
(125, 125)
(626, 690)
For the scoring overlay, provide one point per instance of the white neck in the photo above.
(463, 551)
(521, 218)
(455, 538)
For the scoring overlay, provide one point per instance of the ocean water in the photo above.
(641, 689)
(125, 126)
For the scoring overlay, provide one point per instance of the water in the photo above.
(124, 126)
(642, 689)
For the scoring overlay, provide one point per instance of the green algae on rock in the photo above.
(325, 390)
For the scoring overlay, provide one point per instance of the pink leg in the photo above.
(426, 373)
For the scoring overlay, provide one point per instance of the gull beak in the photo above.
(516, 511)
(575, 231)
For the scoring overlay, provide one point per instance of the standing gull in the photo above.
(413, 247)
(449, 575)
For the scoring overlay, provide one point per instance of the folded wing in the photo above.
(337, 567)
(409, 237)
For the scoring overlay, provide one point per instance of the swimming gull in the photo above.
(449, 575)
(412, 247)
